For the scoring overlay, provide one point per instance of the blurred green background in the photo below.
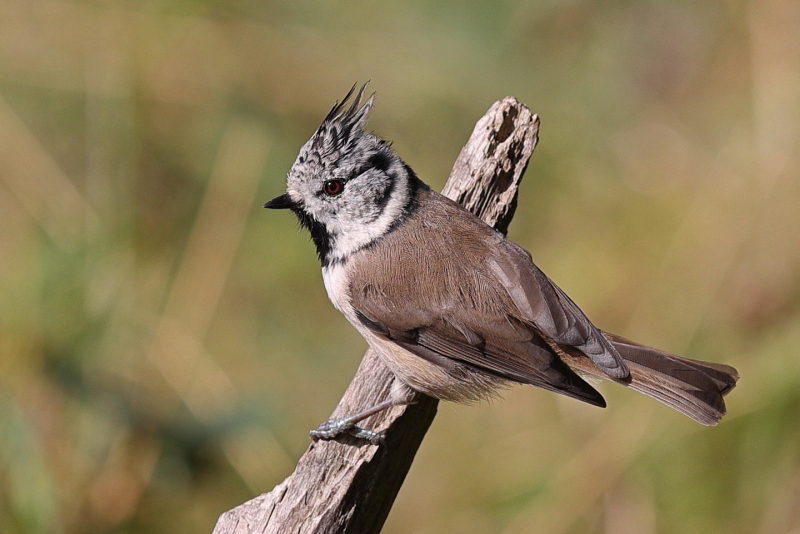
(165, 344)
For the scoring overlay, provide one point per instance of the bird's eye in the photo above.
(333, 187)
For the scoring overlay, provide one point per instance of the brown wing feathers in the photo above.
(523, 362)
(550, 310)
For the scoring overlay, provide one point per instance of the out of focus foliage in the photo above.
(165, 344)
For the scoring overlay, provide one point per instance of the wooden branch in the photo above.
(347, 485)
(486, 176)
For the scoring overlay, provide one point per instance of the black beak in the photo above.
(282, 202)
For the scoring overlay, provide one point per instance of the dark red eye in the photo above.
(333, 187)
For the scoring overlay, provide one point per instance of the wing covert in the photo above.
(550, 310)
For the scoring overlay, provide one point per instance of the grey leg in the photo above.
(400, 394)
(333, 427)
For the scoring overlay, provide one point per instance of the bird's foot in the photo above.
(333, 428)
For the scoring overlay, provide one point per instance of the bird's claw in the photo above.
(376, 438)
(332, 428)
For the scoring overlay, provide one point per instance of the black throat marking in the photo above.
(323, 240)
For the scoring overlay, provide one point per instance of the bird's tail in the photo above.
(692, 387)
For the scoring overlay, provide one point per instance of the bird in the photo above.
(454, 309)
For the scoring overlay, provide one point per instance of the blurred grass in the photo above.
(165, 345)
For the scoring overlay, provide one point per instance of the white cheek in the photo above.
(352, 234)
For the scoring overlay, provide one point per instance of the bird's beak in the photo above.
(281, 203)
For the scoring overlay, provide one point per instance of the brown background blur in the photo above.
(165, 344)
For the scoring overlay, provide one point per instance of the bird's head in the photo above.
(347, 186)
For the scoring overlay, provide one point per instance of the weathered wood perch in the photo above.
(347, 485)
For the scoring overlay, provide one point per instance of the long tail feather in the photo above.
(692, 387)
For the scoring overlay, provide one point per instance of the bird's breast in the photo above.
(336, 280)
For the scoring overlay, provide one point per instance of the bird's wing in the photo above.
(453, 331)
(551, 312)
(450, 288)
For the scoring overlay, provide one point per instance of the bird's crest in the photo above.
(341, 128)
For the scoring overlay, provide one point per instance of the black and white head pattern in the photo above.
(347, 186)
